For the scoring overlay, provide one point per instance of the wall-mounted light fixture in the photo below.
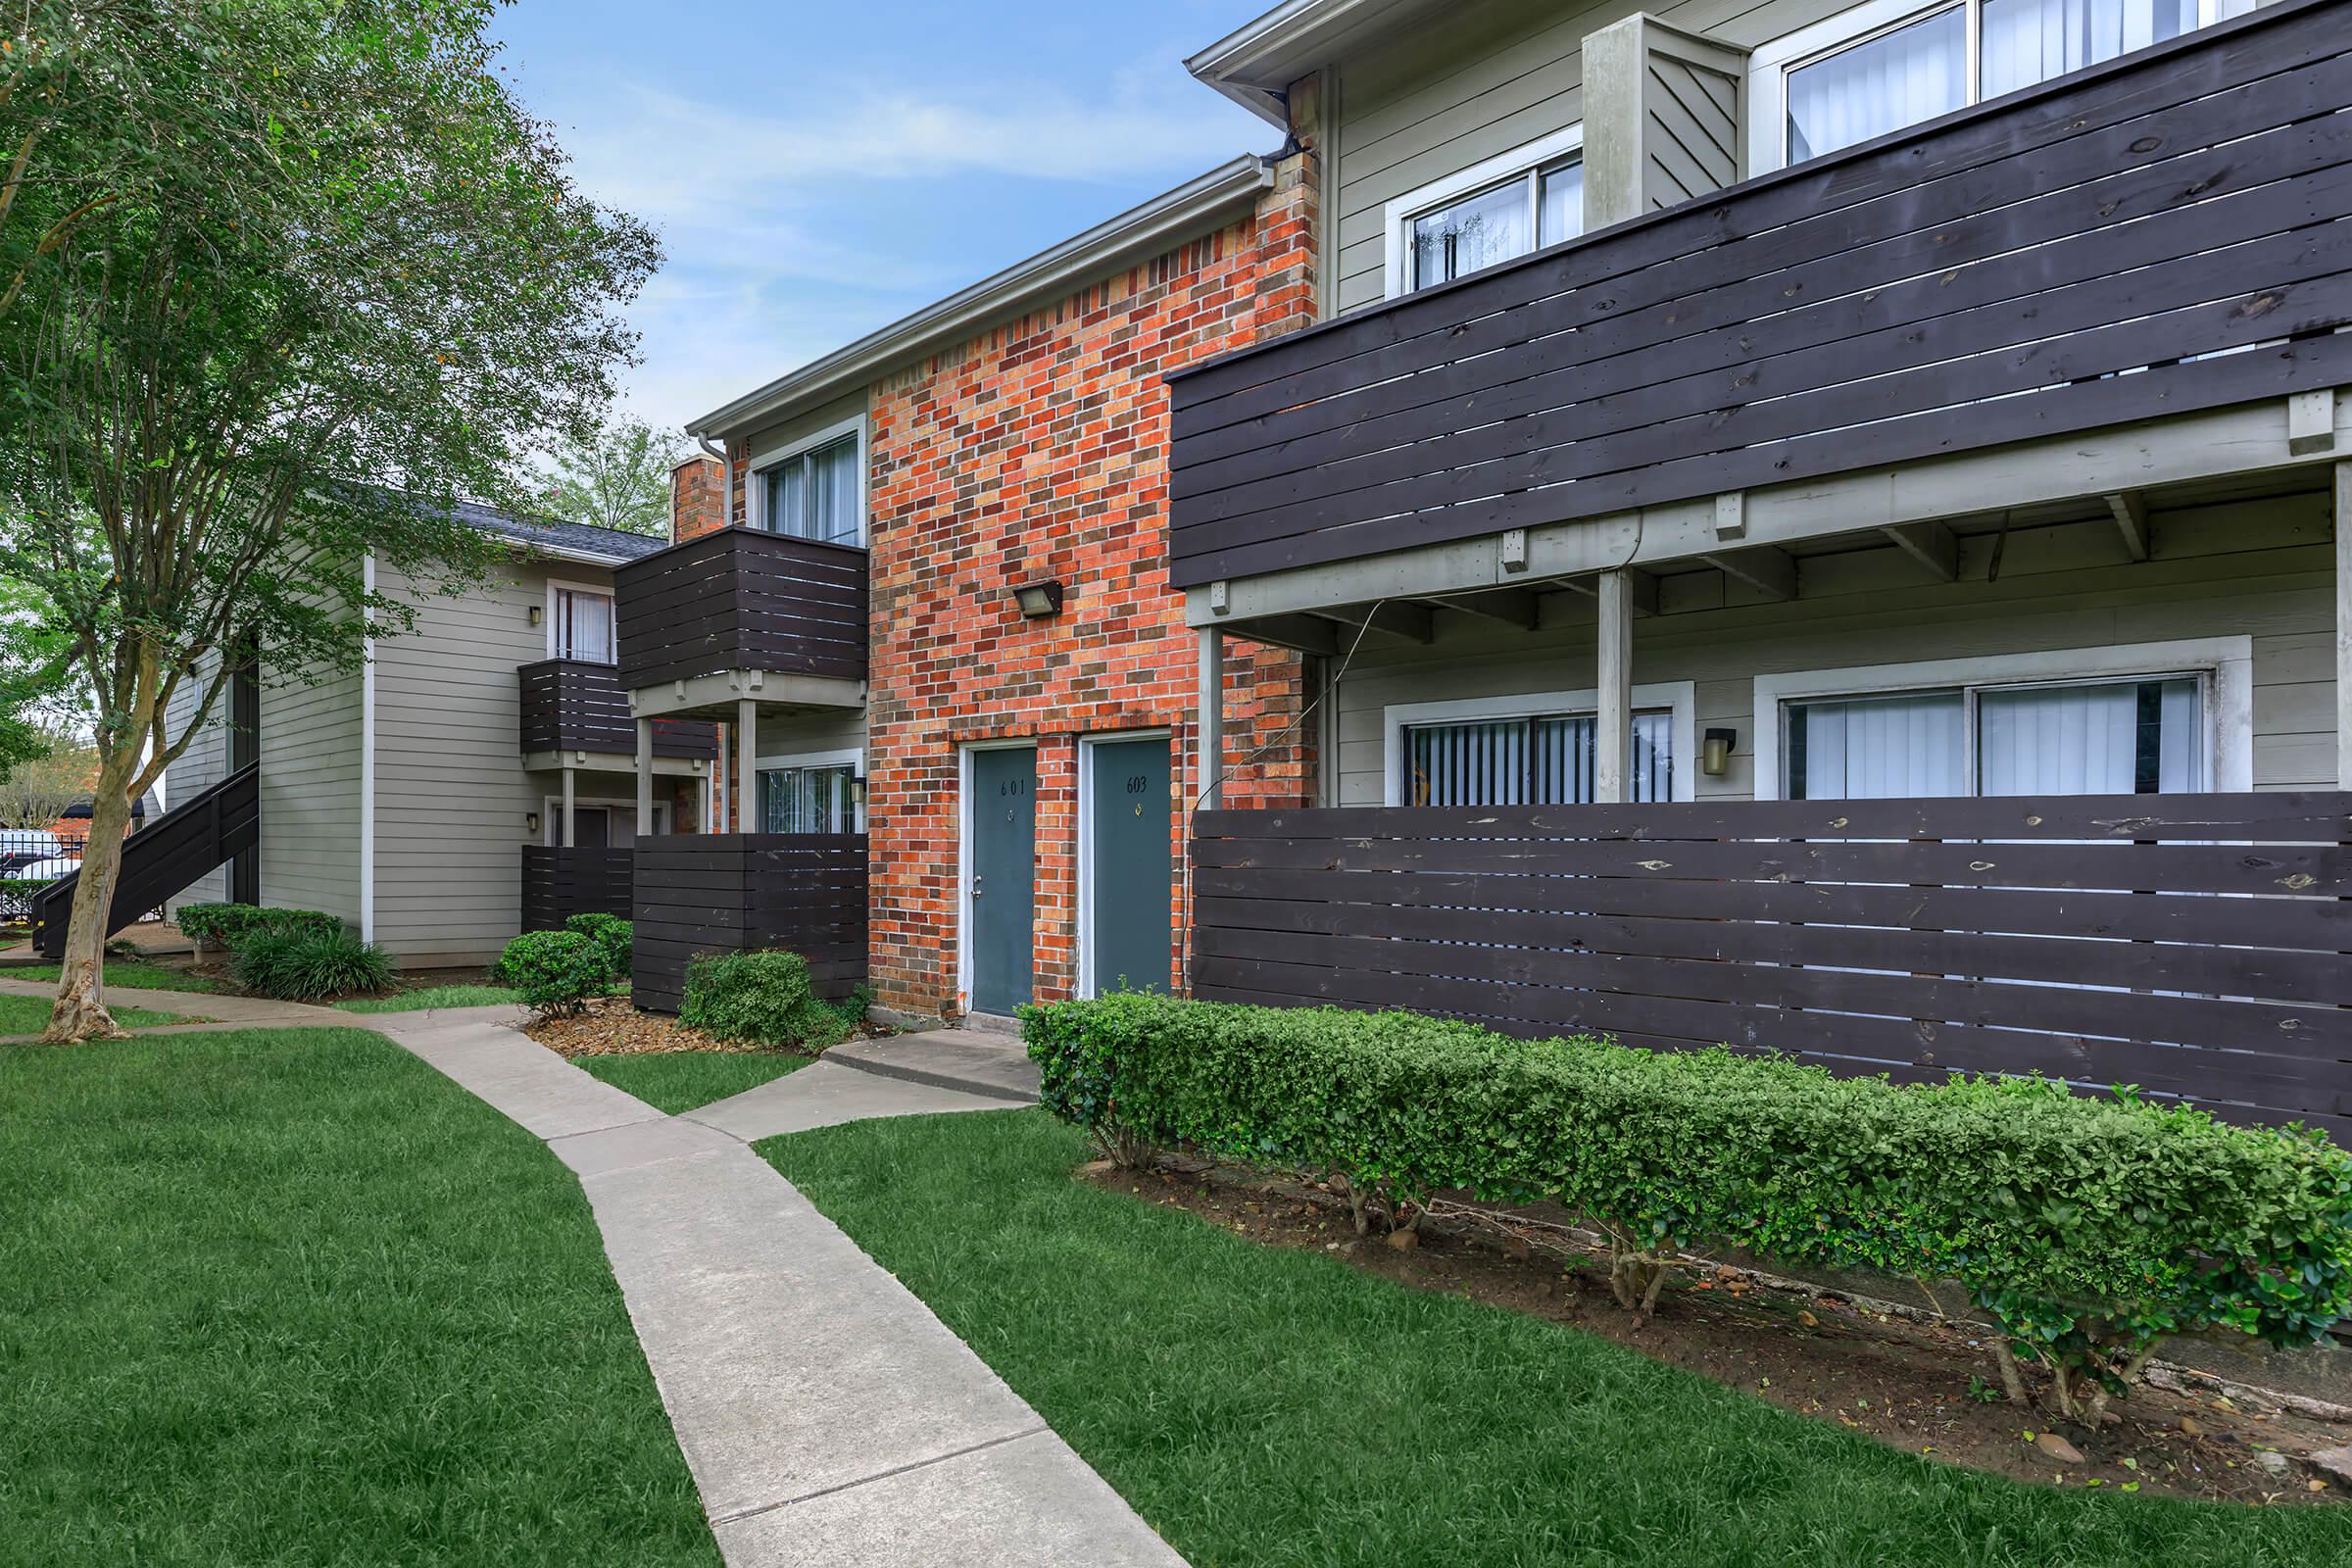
(1038, 600)
(530, 821)
(858, 793)
(1715, 756)
(538, 613)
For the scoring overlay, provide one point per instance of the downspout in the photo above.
(367, 757)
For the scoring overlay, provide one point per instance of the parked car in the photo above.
(22, 849)
(48, 870)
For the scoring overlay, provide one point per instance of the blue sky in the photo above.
(818, 171)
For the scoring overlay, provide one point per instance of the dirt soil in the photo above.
(1921, 1385)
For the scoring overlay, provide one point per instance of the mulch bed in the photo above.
(610, 1027)
(1917, 1385)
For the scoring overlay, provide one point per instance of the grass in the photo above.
(425, 997)
(126, 973)
(681, 1080)
(29, 1016)
(280, 1297)
(1278, 1408)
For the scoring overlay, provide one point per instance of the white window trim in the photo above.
(1399, 215)
(1677, 697)
(755, 483)
(554, 621)
(1086, 838)
(850, 757)
(1765, 139)
(551, 815)
(963, 852)
(2226, 664)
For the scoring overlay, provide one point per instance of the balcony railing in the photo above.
(742, 600)
(560, 882)
(571, 705)
(2161, 234)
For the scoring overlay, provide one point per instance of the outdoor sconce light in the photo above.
(538, 613)
(1715, 756)
(1038, 600)
(858, 793)
(530, 821)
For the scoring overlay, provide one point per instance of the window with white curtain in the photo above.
(1543, 760)
(1888, 64)
(816, 494)
(2114, 737)
(1525, 212)
(808, 800)
(583, 625)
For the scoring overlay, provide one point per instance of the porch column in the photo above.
(1613, 722)
(645, 779)
(569, 792)
(1211, 718)
(747, 765)
(2343, 624)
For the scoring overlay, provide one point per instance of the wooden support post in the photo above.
(2344, 625)
(645, 779)
(1613, 741)
(747, 765)
(1211, 718)
(570, 811)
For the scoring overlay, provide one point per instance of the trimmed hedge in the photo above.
(612, 937)
(557, 972)
(766, 998)
(227, 925)
(2086, 1228)
(304, 962)
(17, 894)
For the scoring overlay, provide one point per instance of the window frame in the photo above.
(1677, 698)
(2223, 666)
(1764, 138)
(758, 463)
(557, 588)
(850, 757)
(1524, 162)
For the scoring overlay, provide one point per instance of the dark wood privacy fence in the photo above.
(1909, 937)
(571, 705)
(740, 599)
(734, 892)
(559, 883)
(185, 843)
(1873, 307)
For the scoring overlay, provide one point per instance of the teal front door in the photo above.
(1129, 867)
(1002, 860)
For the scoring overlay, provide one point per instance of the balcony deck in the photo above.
(745, 609)
(2159, 235)
(571, 705)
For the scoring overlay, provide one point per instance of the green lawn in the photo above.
(681, 1080)
(425, 997)
(126, 973)
(29, 1016)
(292, 1298)
(1280, 1409)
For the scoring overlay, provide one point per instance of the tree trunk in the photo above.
(80, 1011)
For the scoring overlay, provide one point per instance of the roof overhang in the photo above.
(1256, 64)
(1193, 207)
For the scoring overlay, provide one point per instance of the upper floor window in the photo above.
(1880, 67)
(581, 624)
(814, 489)
(1505, 207)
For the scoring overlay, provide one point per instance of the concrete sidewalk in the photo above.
(828, 1417)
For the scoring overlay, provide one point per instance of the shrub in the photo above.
(612, 937)
(227, 925)
(303, 963)
(766, 998)
(17, 894)
(555, 970)
(2084, 1228)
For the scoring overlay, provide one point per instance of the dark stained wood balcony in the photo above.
(739, 602)
(571, 705)
(2158, 235)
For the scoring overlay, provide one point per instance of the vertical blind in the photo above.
(1529, 762)
(814, 495)
(807, 800)
(1898, 79)
(2106, 738)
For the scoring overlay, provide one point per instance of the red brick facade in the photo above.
(696, 498)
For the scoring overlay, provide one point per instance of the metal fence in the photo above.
(30, 859)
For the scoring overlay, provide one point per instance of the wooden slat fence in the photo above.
(2193, 945)
(1983, 278)
(559, 883)
(739, 598)
(573, 705)
(734, 892)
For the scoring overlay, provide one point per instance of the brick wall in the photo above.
(1039, 451)
(697, 500)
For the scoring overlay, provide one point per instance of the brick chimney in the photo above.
(698, 502)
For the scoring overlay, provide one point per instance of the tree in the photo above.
(37, 676)
(620, 478)
(37, 790)
(297, 277)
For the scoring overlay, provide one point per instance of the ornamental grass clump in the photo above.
(2086, 1228)
(306, 963)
